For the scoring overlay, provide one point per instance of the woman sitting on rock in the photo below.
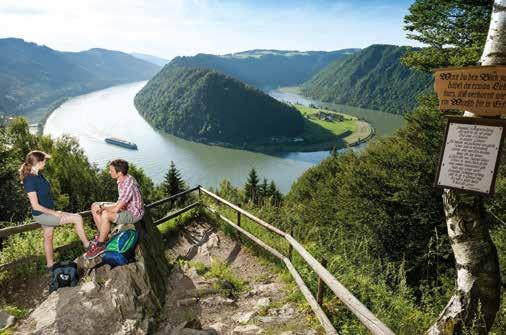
(39, 192)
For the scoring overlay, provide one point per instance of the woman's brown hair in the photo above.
(32, 158)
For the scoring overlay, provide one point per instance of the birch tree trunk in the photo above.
(476, 299)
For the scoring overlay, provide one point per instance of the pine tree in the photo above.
(276, 196)
(173, 182)
(263, 192)
(251, 187)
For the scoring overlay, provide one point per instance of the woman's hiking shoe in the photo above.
(95, 250)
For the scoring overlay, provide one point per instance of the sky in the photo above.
(169, 28)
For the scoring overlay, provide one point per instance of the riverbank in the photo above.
(383, 124)
(37, 128)
(55, 105)
(324, 130)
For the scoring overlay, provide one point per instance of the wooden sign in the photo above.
(470, 156)
(477, 89)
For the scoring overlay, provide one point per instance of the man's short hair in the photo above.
(120, 165)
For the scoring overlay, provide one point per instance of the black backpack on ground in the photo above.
(64, 274)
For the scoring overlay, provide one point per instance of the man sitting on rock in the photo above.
(127, 210)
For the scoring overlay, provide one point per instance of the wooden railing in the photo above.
(9, 231)
(366, 317)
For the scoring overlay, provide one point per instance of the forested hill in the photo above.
(207, 106)
(266, 68)
(372, 78)
(32, 76)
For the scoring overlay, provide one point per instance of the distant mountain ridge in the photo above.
(151, 59)
(373, 78)
(266, 68)
(32, 76)
(207, 106)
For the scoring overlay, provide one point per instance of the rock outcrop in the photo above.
(6, 320)
(122, 300)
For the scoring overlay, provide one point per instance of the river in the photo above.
(111, 113)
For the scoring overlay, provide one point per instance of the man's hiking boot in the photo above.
(90, 244)
(95, 238)
(95, 250)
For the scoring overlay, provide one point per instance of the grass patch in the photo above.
(218, 273)
(264, 310)
(336, 128)
(222, 273)
(262, 278)
(31, 244)
(18, 312)
(200, 267)
(277, 329)
(174, 224)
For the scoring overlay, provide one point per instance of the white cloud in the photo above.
(186, 27)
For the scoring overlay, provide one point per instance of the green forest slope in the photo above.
(372, 78)
(207, 106)
(32, 76)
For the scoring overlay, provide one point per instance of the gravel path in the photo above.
(261, 307)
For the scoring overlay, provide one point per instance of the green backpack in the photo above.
(120, 250)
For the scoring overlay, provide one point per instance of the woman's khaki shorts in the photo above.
(47, 220)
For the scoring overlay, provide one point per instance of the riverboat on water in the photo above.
(121, 143)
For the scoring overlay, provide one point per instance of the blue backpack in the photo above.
(120, 250)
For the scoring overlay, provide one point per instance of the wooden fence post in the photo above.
(239, 221)
(290, 248)
(239, 216)
(321, 287)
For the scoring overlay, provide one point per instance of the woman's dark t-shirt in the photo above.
(40, 185)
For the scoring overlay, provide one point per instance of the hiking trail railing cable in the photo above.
(365, 316)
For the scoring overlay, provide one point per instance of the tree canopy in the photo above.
(207, 106)
(453, 32)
